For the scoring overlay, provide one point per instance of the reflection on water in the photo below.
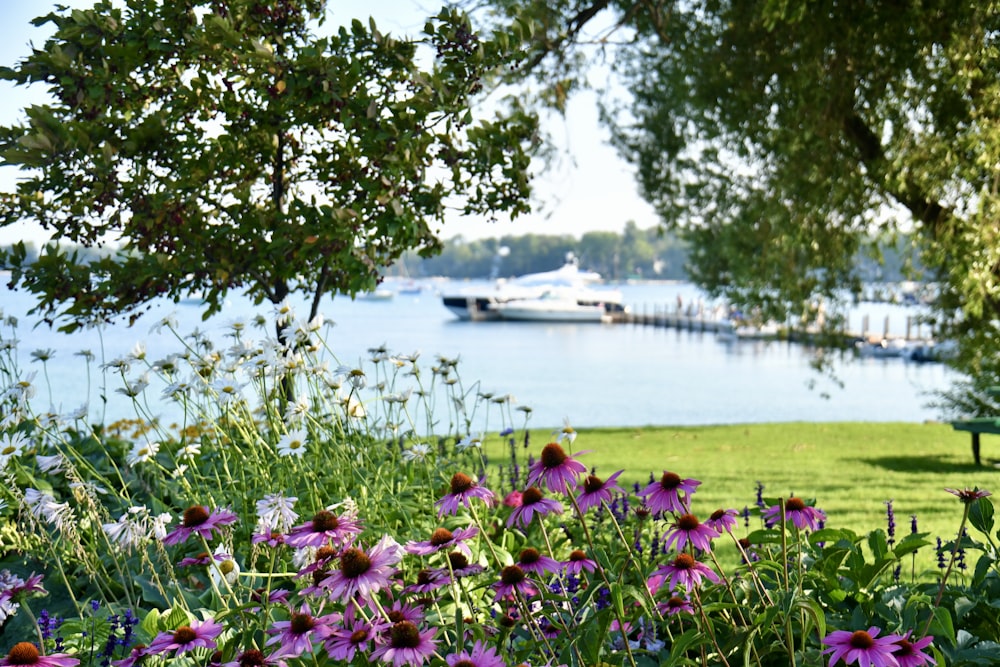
(591, 374)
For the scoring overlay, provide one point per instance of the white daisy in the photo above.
(417, 452)
(12, 445)
(142, 452)
(292, 443)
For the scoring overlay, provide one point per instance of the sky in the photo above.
(589, 189)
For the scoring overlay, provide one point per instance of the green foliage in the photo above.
(233, 146)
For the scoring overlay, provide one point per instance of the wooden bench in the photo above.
(977, 427)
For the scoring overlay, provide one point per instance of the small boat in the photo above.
(551, 307)
(380, 294)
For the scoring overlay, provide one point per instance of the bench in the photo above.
(977, 427)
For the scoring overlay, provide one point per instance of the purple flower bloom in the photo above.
(556, 469)
(25, 654)
(254, 658)
(406, 644)
(968, 496)
(797, 512)
(324, 528)
(675, 605)
(364, 573)
(352, 636)
(865, 648)
(295, 636)
(463, 490)
(13, 587)
(200, 634)
(429, 580)
(722, 520)
(533, 561)
(595, 492)
(578, 562)
(911, 654)
(480, 656)
(686, 529)
(513, 581)
(532, 502)
(441, 539)
(670, 493)
(202, 559)
(684, 569)
(461, 567)
(198, 520)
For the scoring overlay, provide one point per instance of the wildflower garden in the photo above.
(308, 513)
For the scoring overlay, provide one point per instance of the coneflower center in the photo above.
(718, 514)
(528, 557)
(670, 480)
(861, 639)
(676, 602)
(794, 504)
(905, 647)
(688, 522)
(464, 663)
(512, 575)
(395, 616)
(423, 577)
(251, 658)
(359, 636)
(324, 553)
(184, 634)
(531, 496)
(553, 455)
(458, 560)
(404, 635)
(460, 483)
(684, 562)
(592, 484)
(441, 536)
(354, 563)
(195, 516)
(577, 555)
(302, 623)
(325, 520)
(23, 653)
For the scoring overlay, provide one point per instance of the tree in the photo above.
(228, 145)
(783, 139)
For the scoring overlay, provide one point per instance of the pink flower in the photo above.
(354, 635)
(596, 492)
(556, 469)
(532, 502)
(441, 539)
(969, 496)
(911, 654)
(865, 648)
(797, 512)
(12, 587)
(722, 520)
(200, 634)
(296, 635)
(535, 562)
(686, 529)
(670, 494)
(198, 520)
(429, 580)
(514, 581)
(25, 654)
(324, 528)
(463, 490)
(480, 656)
(675, 605)
(406, 645)
(254, 658)
(682, 570)
(364, 573)
(578, 562)
(512, 499)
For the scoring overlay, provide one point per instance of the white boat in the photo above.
(379, 294)
(483, 303)
(552, 306)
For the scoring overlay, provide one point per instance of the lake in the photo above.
(589, 374)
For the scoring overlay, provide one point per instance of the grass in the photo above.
(850, 469)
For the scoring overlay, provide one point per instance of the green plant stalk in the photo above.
(951, 563)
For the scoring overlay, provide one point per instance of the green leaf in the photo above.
(151, 623)
(981, 515)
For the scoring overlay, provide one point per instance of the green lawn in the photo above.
(851, 469)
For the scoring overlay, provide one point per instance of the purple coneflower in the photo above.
(969, 496)
(296, 635)
(533, 561)
(532, 502)
(429, 579)
(797, 512)
(578, 562)
(722, 520)
(513, 581)
(352, 636)
(684, 569)
(15, 587)
(595, 492)
(197, 519)
(200, 634)
(675, 605)
(272, 539)
(25, 654)
(324, 528)
(480, 656)
(460, 565)
(321, 560)
(911, 654)
(686, 529)
(364, 573)
(400, 611)
(406, 645)
(463, 490)
(204, 558)
(441, 539)
(670, 493)
(556, 469)
(863, 647)
(254, 658)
